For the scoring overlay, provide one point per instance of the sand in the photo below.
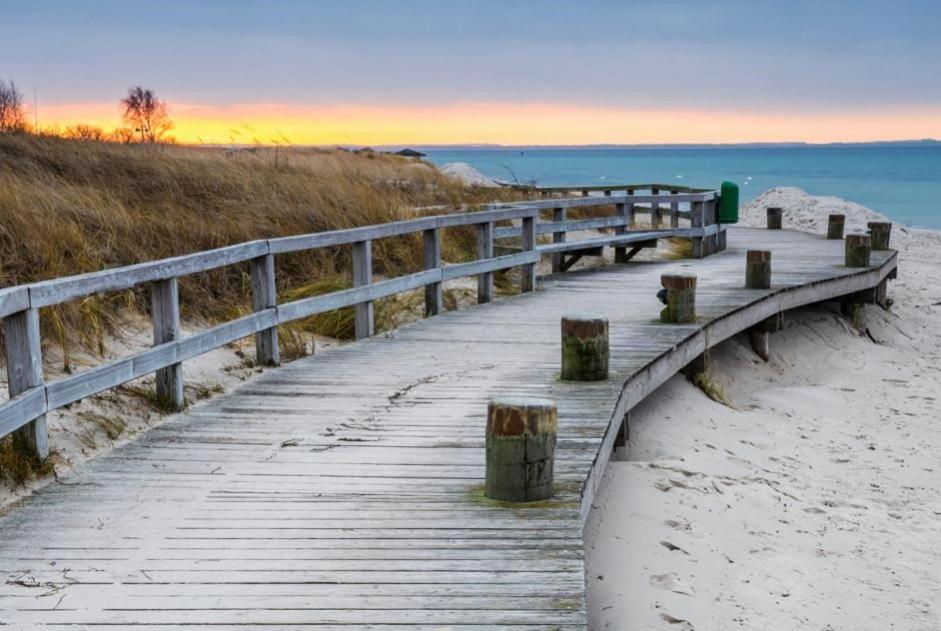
(814, 502)
(467, 174)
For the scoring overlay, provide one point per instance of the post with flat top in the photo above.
(165, 312)
(584, 348)
(620, 252)
(521, 437)
(758, 269)
(485, 251)
(528, 279)
(434, 297)
(835, 224)
(696, 221)
(264, 296)
(24, 371)
(558, 216)
(880, 232)
(362, 276)
(758, 276)
(655, 219)
(631, 212)
(680, 299)
(775, 217)
(857, 250)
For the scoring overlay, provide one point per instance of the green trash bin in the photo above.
(728, 203)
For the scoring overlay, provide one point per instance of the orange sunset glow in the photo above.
(507, 123)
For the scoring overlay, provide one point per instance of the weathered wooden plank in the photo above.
(24, 372)
(21, 409)
(328, 302)
(363, 313)
(52, 292)
(264, 297)
(165, 313)
(460, 270)
(434, 297)
(485, 235)
(13, 299)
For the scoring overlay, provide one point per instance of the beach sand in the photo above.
(814, 503)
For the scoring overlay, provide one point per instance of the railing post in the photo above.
(558, 216)
(264, 296)
(433, 295)
(620, 252)
(165, 312)
(631, 212)
(485, 251)
(696, 219)
(674, 212)
(362, 275)
(528, 280)
(655, 219)
(711, 218)
(24, 371)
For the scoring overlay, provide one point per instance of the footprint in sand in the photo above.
(673, 583)
(683, 625)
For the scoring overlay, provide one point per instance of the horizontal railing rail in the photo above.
(31, 397)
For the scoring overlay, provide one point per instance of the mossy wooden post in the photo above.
(165, 312)
(758, 269)
(521, 435)
(775, 217)
(835, 225)
(363, 319)
(879, 233)
(584, 348)
(485, 251)
(558, 216)
(858, 246)
(264, 297)
(681, 298)
(24, 371)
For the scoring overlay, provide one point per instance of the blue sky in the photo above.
(773, 57)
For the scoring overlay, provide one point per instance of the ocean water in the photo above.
(902, 182)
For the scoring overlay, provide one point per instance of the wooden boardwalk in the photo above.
(345, 489)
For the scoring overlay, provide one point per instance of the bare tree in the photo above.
(12, 110)
(81, 131)
(146, 114)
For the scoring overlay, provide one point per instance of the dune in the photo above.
(813, 502)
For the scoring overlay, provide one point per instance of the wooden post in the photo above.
(363, 321)
(485, 251)
(760, 342)
(264, 296)
(674, 212)
(624, 432)
(696, 221)
(880, 232)
(631, 212)
(585, 192)
(835, 225)
(857, 250)
(558, 216)
(584, 348)
(607, 193)
(521, 435)
(680, 299)
(758, 269)
(165, 312)
(434, 296)
(710, 218)
(528, 279)
(620, 252)
(775, 217)
(655, 210)
(24, 371)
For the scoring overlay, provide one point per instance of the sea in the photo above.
(900, 181)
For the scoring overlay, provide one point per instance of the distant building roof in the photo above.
(410, 153)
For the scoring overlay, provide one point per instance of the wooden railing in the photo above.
(31, 397)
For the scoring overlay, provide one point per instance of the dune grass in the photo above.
(69, 207)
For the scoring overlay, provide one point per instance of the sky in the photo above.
(374, 72)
